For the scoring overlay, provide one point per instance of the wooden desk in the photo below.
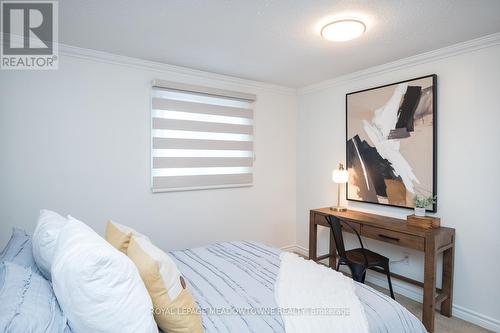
(396, 231)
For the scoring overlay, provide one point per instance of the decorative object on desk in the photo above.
(421, 203)
(339, 176)
(391, 142)
(424, 222)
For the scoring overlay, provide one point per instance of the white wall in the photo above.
(77, 140)
(468, 169)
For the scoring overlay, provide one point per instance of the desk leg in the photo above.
(332, 261)
(429, 306)
(448, 263)
(313, 238)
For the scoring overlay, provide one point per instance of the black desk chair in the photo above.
(360, 259)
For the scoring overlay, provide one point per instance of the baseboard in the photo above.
(296, 249)
(416, 294)
(476, 318)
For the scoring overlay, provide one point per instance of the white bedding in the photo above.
(320, 299)
(239, 278)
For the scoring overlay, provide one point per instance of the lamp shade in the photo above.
(340, 175)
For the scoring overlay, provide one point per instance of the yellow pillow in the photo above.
(119, 235)
(174, 307)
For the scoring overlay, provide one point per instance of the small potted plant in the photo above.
(421, 203)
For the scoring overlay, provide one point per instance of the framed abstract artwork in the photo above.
(391, 143)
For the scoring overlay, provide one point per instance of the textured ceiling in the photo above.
(271, 40)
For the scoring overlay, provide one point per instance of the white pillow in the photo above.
(44, 240)
(98, 287)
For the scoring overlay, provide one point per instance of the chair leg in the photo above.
(388, 273)
(358, 273)
(363, 277)
(338, 265)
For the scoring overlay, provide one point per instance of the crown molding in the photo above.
(105, 57)
(442, 53)
(120, 60)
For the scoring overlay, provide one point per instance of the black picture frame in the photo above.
(434, 143)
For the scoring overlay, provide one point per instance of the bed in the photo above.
(233, 285)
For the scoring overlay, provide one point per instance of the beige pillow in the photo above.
(174, 307)
(119, 235)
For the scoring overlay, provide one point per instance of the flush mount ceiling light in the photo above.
(343, 30)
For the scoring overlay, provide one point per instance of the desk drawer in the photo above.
(355, 225)
(321, 220)
(393, 237)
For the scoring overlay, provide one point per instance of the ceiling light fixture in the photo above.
(343, 30)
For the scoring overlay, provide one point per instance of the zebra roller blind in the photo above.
(201, 137)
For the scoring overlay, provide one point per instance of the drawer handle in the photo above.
(389, 237)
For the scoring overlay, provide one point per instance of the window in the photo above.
(200, 137)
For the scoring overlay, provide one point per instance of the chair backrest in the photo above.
(337, 235)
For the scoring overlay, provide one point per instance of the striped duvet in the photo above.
(233, 284)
